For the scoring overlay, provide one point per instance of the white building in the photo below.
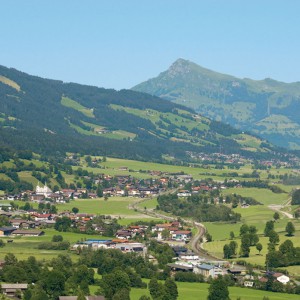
(43, 190)
(208, 270)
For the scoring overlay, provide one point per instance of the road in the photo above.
(195, 242)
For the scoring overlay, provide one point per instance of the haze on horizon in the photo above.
(118, 44)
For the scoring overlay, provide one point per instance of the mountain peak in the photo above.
(180, 66)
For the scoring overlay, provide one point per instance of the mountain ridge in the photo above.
(51, 117)
(243, 103)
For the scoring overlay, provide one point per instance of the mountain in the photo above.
(51, 117)
(266, 107)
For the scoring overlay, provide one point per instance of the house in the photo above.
(42, 217)
(161, 227)
(124, 234)
(5, 231)
(20, 223)
(182, 235)
(208, 270)
(11, 289)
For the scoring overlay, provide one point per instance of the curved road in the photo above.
(194, 242)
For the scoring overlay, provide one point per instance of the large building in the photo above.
(43, 190)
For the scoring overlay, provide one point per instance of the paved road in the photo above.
(195, 241)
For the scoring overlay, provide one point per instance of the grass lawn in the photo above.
(199, 291)
(26, 176)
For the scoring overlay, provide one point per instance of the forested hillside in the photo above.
(51, 117)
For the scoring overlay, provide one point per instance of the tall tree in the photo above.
(290, 228)
(218, 290)
(268, 228)
(259, 247)
(114, 282)
(273, 237)
(156, 289)
(171, 292)
(276, 216)
(245, 246)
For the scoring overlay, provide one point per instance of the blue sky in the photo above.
(117, 44)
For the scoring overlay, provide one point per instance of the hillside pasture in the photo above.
(264, 196)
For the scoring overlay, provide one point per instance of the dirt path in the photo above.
(279, 208)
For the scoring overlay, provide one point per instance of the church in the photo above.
(43, 190)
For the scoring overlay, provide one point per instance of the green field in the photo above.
(23, 247)
(220, 233)
(26, 176)
(77, 106)
(264, 196)
(117, 206)
(199, 291)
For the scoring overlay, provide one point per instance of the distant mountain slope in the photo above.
(52, 117)
(266, 107)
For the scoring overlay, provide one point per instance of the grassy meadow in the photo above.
(199, 291)
(23, 247)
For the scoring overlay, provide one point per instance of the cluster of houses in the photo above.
(213, 269)
(31, 225)
(236, 159)
(172, 231)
